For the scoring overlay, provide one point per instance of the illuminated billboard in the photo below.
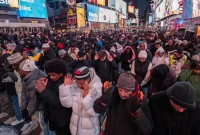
(10, 3)
(32, 8)
(111, 3)
(101, 2)
(121, 6)
(92, 13)
(107, 16)
(80, 17)
(131, 9)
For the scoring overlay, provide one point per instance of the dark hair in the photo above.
(56, 66)
(195, 65)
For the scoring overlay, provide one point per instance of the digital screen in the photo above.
(32, 8)
(121, 6)
(92, 13)
(187, 9)
(160, 10)
(131, 9)
(108, 16)
(111, 3)
(101, 2)
(195, 8)
(10, 3)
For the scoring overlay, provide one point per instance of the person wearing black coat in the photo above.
(127, 109)
(47, 54)
(82, 60)
(57, 116)
(104, 66)
(175, 112)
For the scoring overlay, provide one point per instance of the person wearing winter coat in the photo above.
(127, 57)
(175, 112)
(104, 66)
(143, 46)
(160, 58)
(29, 100)
(192, 76)
(141, 67)
(73, 52)
(176, 60)
(82, 60)
(162, 77)
(80, 95)
(127, 109)
(55, 115)
(46, 54)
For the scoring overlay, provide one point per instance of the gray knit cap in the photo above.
(15, 58)
(126, 81)
(61, 52)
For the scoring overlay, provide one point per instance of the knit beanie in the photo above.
(82, 73)
(61, 52)
(158, 73)
(15, 58)
(126, 81)
(142, 54)
(27, 65)
(182, 94)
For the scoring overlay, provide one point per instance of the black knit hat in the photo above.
(81, 54)
(82, 73)
(183, 94)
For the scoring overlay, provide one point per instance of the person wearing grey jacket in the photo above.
(29, 74)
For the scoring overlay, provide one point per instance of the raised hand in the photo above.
(68, 79)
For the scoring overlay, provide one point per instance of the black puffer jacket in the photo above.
(169, 122)
(50, 54)
(120, 122)
(54, 113)
(104, 69)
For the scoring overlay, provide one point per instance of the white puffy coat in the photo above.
(84, 120)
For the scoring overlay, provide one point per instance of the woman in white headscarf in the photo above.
(160, 58)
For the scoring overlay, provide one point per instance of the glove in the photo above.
(25, 115)
(134, 104)
(107, 96)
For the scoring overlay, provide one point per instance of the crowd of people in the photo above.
(101, 83)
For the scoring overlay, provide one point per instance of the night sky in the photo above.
(141, 4)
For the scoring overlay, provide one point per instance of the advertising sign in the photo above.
(195, 8)
(160, 10)
(93, 1)
(136, 12)
(198, 31)
(11, 3)
(101, 2)
(131, 9)
(111, 3)
(108, 16)
(92, 13)
(32, 8)
(80, 17)
(71, 18)
(121, 6)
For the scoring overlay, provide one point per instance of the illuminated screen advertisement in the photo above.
(121, 6)
(32, 8)
(160, 10)
(131, 9)
(92, 13)
(11, 3)
(93, 1)
(111, 3)
(101, 2)
(96, 14)
(108, 16)
(195, 8)
(80, 17)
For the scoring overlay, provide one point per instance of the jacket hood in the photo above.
(160, 50)
(34, 75)
(95, 83)
(145, 44)
(133, 53)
